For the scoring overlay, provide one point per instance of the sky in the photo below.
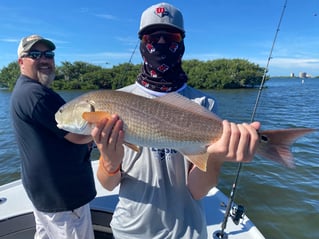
(104, 32)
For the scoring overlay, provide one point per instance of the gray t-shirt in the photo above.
(154, 201)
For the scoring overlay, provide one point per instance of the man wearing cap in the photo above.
(160, 190)
(55, 165)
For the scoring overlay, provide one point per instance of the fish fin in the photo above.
(96, 116)
(132, 146)
(199, 160)
(177, 100)
(275, 144)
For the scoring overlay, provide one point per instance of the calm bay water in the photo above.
(283, 203)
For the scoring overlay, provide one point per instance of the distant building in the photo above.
(292, 74)
(303, 74)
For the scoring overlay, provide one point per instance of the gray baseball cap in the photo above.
(26, 44)
(161, 15)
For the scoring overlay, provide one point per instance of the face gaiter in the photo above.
(162, 70)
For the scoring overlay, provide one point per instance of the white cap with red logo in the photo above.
(161, 15)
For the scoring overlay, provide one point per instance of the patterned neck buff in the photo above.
(162, 69)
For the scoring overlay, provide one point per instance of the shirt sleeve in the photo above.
(44, 112)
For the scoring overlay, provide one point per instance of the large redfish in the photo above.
(170, 121)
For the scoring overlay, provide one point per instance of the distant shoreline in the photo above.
(296, 77)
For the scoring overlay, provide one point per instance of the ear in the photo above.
(20, 61)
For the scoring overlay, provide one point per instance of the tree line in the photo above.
(213, 74)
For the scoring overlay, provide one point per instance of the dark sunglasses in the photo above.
(168, 37)
(35, 55)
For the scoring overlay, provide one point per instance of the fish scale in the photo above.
(157, 122)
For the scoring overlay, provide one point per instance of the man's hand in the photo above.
(238, 142)
(109, 138)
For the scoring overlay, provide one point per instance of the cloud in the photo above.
(9, 40)
(285, 62)
(106, 16)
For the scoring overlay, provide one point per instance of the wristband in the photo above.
(106, 171)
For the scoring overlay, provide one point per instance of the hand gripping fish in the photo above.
(171, 121)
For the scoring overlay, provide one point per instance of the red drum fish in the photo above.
(171, 121)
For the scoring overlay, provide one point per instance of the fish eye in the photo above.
(264, 138)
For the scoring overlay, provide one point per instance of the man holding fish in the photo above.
(160, 140)
(159, 188)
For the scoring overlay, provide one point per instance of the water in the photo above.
(283, 203)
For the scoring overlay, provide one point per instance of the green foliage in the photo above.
(214, 74)
(223, 74)
(9, 75)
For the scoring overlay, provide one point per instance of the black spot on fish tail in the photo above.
(275, 144)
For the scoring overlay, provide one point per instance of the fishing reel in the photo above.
(220, 235)
(237, 213)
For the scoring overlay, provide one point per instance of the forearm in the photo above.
(199, 182)
(108, 175)
(78, 138)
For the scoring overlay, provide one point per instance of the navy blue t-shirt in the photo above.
(56, 173)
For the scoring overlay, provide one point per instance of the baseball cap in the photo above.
(26, 44)
(161, 15)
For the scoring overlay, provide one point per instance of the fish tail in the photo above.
(275, 144)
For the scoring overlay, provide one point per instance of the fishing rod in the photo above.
(129, 62)
(238, 211)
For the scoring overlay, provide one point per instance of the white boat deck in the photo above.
(14, 202)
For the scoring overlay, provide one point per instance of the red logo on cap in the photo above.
(161, 11)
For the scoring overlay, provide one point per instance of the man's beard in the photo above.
(45, 79)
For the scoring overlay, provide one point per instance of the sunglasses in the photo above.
(35, 55)
(156, 36)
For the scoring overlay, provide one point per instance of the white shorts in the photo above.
(76, 224)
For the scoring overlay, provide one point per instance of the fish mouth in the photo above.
(85, 128)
